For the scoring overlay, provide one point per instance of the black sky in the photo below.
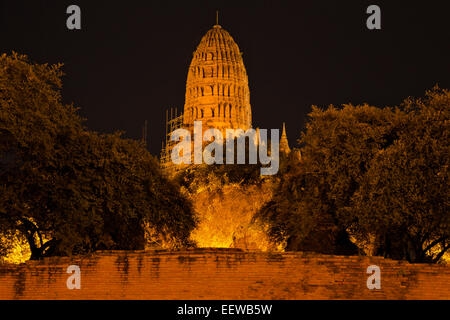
(129, 62)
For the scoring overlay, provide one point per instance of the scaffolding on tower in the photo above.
(174, 121)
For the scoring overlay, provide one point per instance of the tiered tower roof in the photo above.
(217, 91)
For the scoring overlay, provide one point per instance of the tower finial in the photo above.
(284, 144)
(217, 17)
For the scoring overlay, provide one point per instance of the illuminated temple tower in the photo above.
(217, 90)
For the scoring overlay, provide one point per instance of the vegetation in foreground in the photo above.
(67, 190)
(376, 176)
(370, 181)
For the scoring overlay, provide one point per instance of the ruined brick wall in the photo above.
(222, 274)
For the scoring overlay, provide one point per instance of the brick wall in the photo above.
(222, 274)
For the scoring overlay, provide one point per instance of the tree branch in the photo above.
(434, 243)
(439, 256)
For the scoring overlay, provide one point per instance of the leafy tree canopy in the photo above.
(374, 173)
(69, 190)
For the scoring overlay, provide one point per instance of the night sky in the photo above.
(130, 60)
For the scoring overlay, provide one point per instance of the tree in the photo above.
(69, 190)
(338, 146)
(404, 197)
(370, 173)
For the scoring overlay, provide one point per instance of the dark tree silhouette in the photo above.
(374, 173)
(69, 190)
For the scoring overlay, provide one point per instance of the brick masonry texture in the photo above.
(222, 274)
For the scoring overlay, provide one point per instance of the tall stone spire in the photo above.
(284, 144)
(217, 91)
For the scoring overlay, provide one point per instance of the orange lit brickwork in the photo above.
(217, 91)
(222, 274)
